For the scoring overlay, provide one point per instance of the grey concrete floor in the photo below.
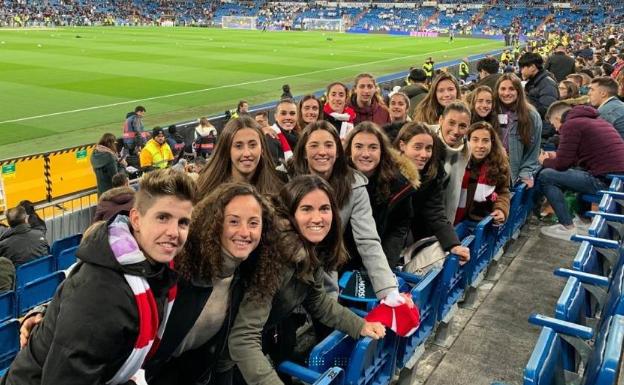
(492, 339)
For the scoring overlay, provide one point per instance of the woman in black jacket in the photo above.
(392, 181)
(419, 144)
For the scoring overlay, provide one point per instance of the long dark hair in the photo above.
(219, 167)
(202, 258)
(342, 175)
(429, 109)
(301, 124)
(498, 171)
(492, 117)
(330, 253)
(410, 130)
(521, 107)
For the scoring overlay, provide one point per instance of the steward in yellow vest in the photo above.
(464, 69)
(156, 154)
(428, 68)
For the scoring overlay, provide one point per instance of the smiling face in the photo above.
(162, 230)
(507, 92)
(483, 103)
(365, 152)
(454, 127)
(286, 116)
(337, 98)
(310, 111)
(245, 154)
(398, 108)
(242, 226)
(446, 92)
(418, 149)
(364, 90)
(480, 144)
(314, 216)
(321, 153)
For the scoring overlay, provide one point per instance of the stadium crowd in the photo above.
(260, 217)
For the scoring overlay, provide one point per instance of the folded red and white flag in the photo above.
(403, 320)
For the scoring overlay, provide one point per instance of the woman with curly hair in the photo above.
(485, 186)
(241, 155)
(231, 243)
(444, 90)
(392, 180)
(319, 151)
(310, 242)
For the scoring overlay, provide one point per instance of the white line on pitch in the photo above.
(230, 86)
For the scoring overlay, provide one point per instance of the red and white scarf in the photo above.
(127, 252)
(483, 191)
(283, 142)
(347, 117)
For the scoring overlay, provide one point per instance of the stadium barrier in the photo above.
(53, 175)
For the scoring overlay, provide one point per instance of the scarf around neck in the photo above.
(347, 117)
(483, 191)
(127, 252)
(283, 142)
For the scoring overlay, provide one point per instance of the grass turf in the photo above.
(64, 87)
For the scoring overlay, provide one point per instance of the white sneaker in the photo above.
(580, 224)
(558, 231)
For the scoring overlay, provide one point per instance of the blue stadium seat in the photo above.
(450, 289)
(38, 291)
(8, 306)
(606, 225)
(66, 258)
(332, 376)
(424, 295)
(34, 270)
(9, 341)
(480, 252)
(61, 244)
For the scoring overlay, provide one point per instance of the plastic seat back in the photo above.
(39, 291)
(8, 306)
(34, 270)
(603, 364)
(66, 258)
(65, 243)
(545, 366)
(9, 341)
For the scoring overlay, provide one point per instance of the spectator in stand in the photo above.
(488, 69)
(444, 91)
(240, 156)
(620, 82)
(577, 79)
(119, 198)
(392, 180)
(603, 96)
(262, 118)
(336, 111)
(618, 66)
(419, 144)
(520, 128)
(134, 134)
(7, 275)
(586, 52)
(105, 162)
(485, 185)
(399, 107)
(366, 101)
(560, 64)
(285, 129)
(416, 88)
(175, 140)
(21, 243)
(3, 228)
(34, 220)
(156, 154)
(568, 90)
(242, 108)
(587, 142)
(482, 106)
(540, 88)
(310, 110)
(205, 138)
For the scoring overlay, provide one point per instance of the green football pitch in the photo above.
(66, 86)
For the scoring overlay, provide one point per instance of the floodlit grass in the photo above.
(66, 86)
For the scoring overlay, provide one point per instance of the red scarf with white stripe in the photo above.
(482, 192)
(283, 142)
(127, 252)
(347, 117)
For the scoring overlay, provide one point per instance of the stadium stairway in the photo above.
(492, 340)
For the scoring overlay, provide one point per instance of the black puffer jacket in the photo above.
(91, 325)
(23, 244)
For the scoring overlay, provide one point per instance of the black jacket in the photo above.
(561, 65)
(23, 244)
(91, 325)
(429, 213)
(542, 92)
(104, 166)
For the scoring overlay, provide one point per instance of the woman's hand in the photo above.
(27, 327)
(462, 252)
(528, 181)
(498, 216)
(394, 299)
(374, 330)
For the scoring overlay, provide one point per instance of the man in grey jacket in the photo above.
(603, 95)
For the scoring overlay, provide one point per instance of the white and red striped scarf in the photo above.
(482, 192)
(347, 117)
(127, 252)
(283, 142)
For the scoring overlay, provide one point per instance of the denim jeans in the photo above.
(553, 183)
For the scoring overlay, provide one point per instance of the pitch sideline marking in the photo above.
(229, 86)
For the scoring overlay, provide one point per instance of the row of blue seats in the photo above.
(36, 281)
(340, 360)
(582, 343)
